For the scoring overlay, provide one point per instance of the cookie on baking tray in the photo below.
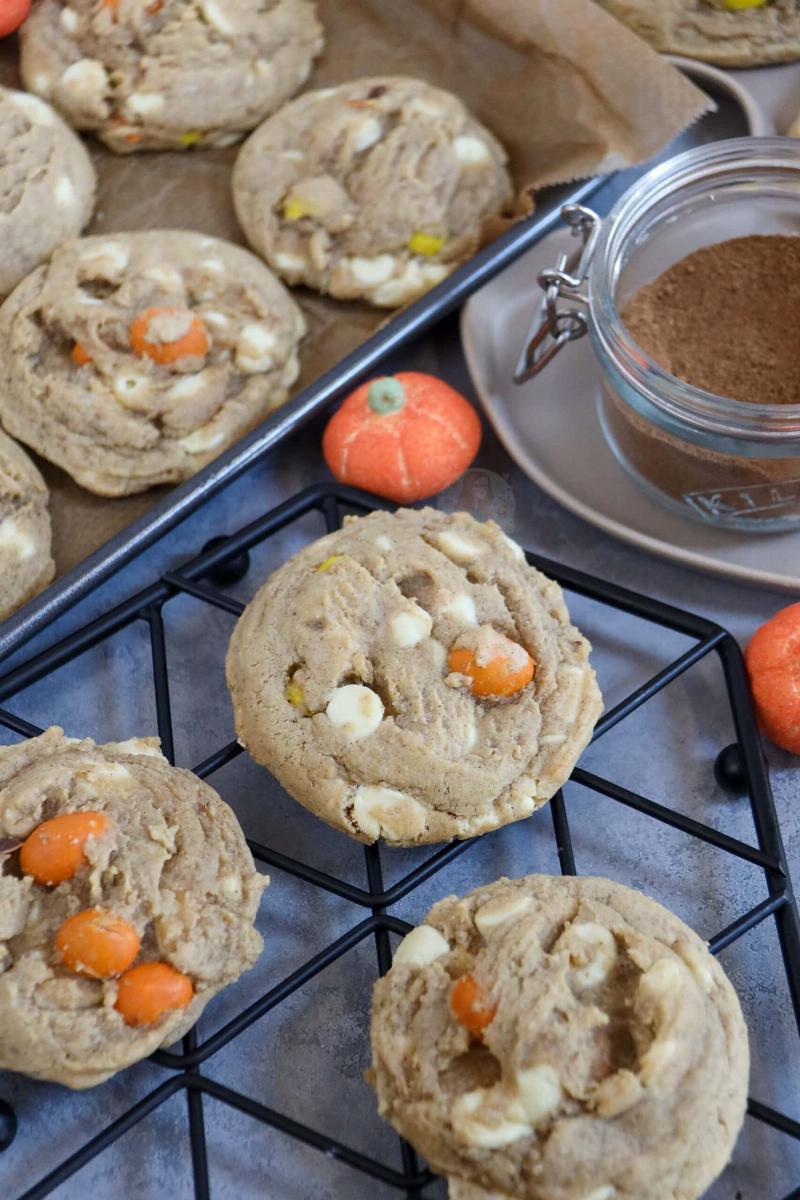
(727, 32)
(127, 900)
(44, 168)
(168, 74)
(132, 359)
(25, 562)
(410, 677)
(561, 1039)
(372, 190)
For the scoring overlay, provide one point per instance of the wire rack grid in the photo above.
(224, 560)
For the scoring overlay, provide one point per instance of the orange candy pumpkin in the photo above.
(773, 664)
(405, 437)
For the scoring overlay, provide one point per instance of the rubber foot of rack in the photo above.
(729, 770)
(230, 571)
(8, 1125)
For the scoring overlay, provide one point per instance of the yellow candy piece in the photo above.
(294, 694)
(191, 137)
(425, 243)
(735, 5)
(328, 562)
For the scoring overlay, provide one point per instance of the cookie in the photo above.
(133, 359)
(561, 1039)
(164, 856)
(410, 677)
(44, 169)
(25, 536)
(729, 35)
(173, 74)
(375, 190)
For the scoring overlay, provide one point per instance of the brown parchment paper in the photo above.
(568, 90)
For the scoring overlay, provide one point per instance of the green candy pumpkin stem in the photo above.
(386, 395)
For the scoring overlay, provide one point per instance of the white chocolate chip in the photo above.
(215, 265)
(214, 15)
(539, 1091)
(35, 109)
(499, 910)
(589, 938)
(16, 540)
(231, 887)
(259, 70)
(113, 256)
(570, 683)
(64, 192)
(513, 546)
(439, 654)
(69, 20)
(699, 963)
(86, 80)
(108, 770)
(421, 946)
(526, 788)
(131, 388)
(602, 1193)
(471, 150)
(145, 104)
(410, 626)
(663, 978)
(293, 155)
(255, 349)
(426, 108)
(462, 608)
(469, 1128)
(470, 736)
(166, 277)
(207, 437)
(289, 262)
(188, 386)
(369, 272)
(383, 542)
(216, 320)
(458, 548)
(355, 709)
(415, 279)
(368, 132)
(382, 811)
(552, 739)
(323, 93)
(656, 1060)
(146, 746)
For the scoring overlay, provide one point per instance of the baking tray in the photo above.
(744, 859)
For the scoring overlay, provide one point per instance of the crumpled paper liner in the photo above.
(567, 89)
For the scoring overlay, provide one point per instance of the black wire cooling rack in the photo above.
(223, 561)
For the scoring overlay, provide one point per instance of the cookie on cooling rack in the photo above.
(169, 74)
(44, 169)
(373, 190)
(133, 359)
(410, 677)
(727, 32)
(26, 565)
(127, 900)
(561, 1039)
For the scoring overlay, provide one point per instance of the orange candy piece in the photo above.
(150, 990)
(498, 677)
(55, 849)
(80, 356)
(192, 343)
(773, 664)
(469, 1006)
(97, 943)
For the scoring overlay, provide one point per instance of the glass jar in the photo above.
(728, 462)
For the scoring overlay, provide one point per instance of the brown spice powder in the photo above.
(727, 319)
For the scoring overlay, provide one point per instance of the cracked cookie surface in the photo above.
(561, 1039)
(717, 33)
(133, 359)
(26, 565)
(373, 190)
(359, 677)
(168, 858)
(169, 74)
(44, 168)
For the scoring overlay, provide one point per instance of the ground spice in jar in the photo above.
(727, 319)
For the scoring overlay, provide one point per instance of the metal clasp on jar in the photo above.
(554, 326)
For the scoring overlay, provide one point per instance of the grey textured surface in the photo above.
(306, 1059)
